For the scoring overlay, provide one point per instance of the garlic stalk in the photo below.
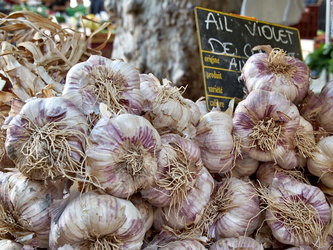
(122, 155)
(297, 213)
(236, 243)
(275, 71)
(233, 210)
(215, 139)
(166, 108)
(24, 209)
(325, 114)
(94, 220)
(46, 140)
(263, 130)
(190, 210)
(102, 80)
(179, 162)
(321, 164)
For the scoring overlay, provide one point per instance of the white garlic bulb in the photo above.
(46, 140)
(122, 155)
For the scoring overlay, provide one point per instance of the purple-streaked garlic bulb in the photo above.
(309, 108)
(321, 164)
(166, 108)
(236, 243)
(24, 209)
(325, 114)
(233, 210)
(296, 212)
(178, 165)
(244, 166)
(168, 241)
(275, 71)
(190, 211)
(102, 80)
(46, 140)
(265, 124)
(122, 155)
(215, 139)
(94, 220)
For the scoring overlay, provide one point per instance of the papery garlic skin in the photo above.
(191, 209)
(25, 206)
(179, 162)
(122, 155)
(275, 114)
(46, 139)
(297, 213)
(215, 139)
(237, 209)
(321, 164)
(277, 72)
(244, 166)
(10, 245)
(236, 243)
(93, 219)
(118, 81)
(325, 113)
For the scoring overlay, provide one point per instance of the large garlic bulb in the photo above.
(179, 162)
(265, 124)
(122, 155)
(275, 71)
(95, 220)
(297, 213)
(24, 209)
(102, 80)
(190, 211)
(46, 140)
(215, 139)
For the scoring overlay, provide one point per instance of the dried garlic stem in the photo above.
(305, 143)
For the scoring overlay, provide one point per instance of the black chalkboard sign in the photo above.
(226, 41)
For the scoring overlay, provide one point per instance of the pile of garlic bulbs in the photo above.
(121, 160)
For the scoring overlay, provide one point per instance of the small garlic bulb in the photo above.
(275, 71)
(122, 155)
(166, 108)
(233, 209)
(297, 213)
(236, 243)
(179, 162)
(95, 220)
(24, 209)
(263, 129)
(191, 209)
(215, 139)
(46, 140)
(321, 164)
(102, 80)
(244, 166)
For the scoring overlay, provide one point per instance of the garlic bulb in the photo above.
(236, 243)
(244, 166)
(309, 108)
(122, 155)
(275, 71)
(325, 114)
(166, 108)
(263, 129)
(46, 140)
(321, 164)
(179, 162)
(297, 213)
(190, 210)
(202, 105)
(168, 241)
(102, 80)
(24, 209)
(233, 209)
(215, 139)
(95, 220)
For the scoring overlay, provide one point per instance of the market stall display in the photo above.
(97, 155)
